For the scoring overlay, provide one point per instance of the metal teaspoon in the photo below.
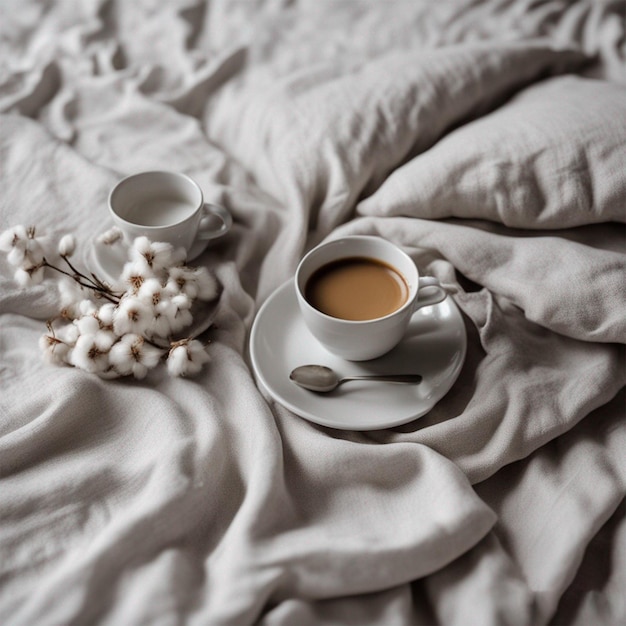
(322, 379)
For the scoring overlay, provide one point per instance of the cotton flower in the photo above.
(134, 274)
(26, 277)
(105, 315)
(68, 333)
(54, 349)
(122, 335)
(159, 325)
(24, 253)
(23, 248)
(179, 312)
(34, 253)
(181, 301)
(87, 307)
(91, 351)
(155, 256)
(177, 317)
(195, 282)
(156, 298)
(70, 294)
(186, 357)
(17, 256)
(111, 236)
(179, 281)
(67, 245)
(28, 254)
(132, 354)
(87, 324)
(207, 284)
(15, 237)
(109, 373)
(131, 316)
(170, 312)
(151, 291)
(57, 344)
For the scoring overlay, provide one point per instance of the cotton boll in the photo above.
(198, 352)
(155, 255)
(181, 320)
(28, 277)
(27, 256)
(54, 350)
(91, 351)
(21, 277)
(34, 254)
(180, 280)
(162, 255)
(177, 361)
(17, 256)
(108, 374)
(14, 237)
(181, 301)
(67, 245)
(194, 282)
(154, 296)
(176, 311)
(135, 273)
(111, 236)
(68, 334)
(151, 291)
(87, 324)
(145, 269)
(120, 356)
(87, 307)
(132, 315)
(70, 294)
(105, 315)
(133, 355)
(186, 358)
(207, 284)
(139, 247)
(159, 326)
(150, 355)
(7, 240)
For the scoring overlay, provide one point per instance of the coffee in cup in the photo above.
(356, 288)
(357, 295)
(166, 206)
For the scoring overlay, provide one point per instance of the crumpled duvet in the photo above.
(487, 139)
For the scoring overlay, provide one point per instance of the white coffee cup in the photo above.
(364, 339)
(166, 206)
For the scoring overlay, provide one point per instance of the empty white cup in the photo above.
(166, 206)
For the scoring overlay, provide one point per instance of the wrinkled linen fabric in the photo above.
(488, 140)
(516, 165)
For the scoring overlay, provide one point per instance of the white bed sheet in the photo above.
(486, 138)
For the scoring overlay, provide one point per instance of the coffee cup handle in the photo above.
(207, 228)
(434, 292)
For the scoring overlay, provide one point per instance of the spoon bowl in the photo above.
(322, 379)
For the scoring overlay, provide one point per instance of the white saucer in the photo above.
(107, 261)
(434, 347)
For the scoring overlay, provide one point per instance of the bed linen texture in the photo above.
(487, 139)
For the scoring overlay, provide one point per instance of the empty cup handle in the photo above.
(215, 222)
(429, 292)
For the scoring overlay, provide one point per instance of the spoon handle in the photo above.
(390, 378)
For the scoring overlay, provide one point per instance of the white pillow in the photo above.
(553, 157)
(318, 139)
